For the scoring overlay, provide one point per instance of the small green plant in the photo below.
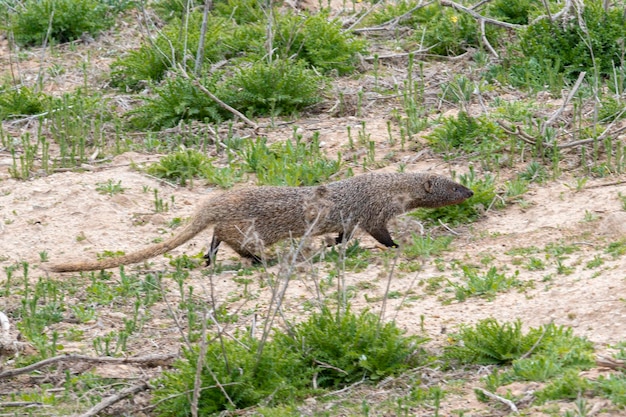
(177, 44)
(535, 264)
(353, 257)
(490, 342)
(613, 387)
(516, 12)
(622, 198)
(515, 188)
(534, 172)
(181, 166)
(596, 262)
(159, 205)
(569, 386)
(169, 9)
(611, 109)
(83, 314)
(21, 101)
(485, 285)
(326, 46)
(110, 188)
(616, 249)
(426, 246)
(445, 31)
(459, 90)
(464, 133)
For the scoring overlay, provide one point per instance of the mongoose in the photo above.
(249, 219)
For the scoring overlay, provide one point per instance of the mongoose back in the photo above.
(249, 219)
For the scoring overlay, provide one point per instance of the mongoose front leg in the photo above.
(212, 253)
(382, 236)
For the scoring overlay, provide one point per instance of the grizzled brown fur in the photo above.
(249, 219)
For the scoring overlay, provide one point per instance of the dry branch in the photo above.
(27, 404)
(611, 363)
(148, 360)
(478, 16)
(481, 20)
(493, 396)
(107, 402)
(570, 96)
(392, 23)
(553, 17)
(217, 100)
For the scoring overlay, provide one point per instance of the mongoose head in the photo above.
(438, 191)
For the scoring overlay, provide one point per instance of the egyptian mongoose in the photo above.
(249, 219)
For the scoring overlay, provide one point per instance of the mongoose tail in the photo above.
(200, 221)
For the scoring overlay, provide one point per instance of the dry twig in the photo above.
(109, 401)
(217, 100)
(482, 20)
(148, 360)
(493, 396)
(611, 363)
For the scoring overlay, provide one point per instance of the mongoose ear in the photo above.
(321, 191)
(428, 185)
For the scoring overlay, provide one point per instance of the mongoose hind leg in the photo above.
(244, 253)
(344, 237)
(381, 234)
(212, 253)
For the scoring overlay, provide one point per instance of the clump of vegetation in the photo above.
(293, 162)
(237, 29)
(325, 46)
(67, 19)
(491, 342)
(181, 166)
(234, 375)
(21, 101)
(272, 88)
(466, 134)
(336, 348)
(177, 43)
(175, 100)
(353, 257)
(591, 43)
(169, 9)
(356, 346)
(517, 12)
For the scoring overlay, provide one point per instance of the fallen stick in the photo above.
(148, 360)
(109, 401)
